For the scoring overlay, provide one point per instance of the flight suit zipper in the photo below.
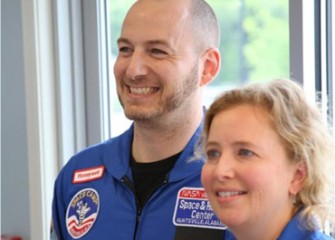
(129, 184)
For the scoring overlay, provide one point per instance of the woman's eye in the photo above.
(210, 154)
(245, 153)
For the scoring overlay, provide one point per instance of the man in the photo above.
(142, 184)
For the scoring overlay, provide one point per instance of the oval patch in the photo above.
(82, 212)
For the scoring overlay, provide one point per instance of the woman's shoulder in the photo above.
(296, 230)
(318, 235)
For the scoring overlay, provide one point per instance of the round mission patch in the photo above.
(82, 212)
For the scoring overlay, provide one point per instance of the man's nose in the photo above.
(138, 65)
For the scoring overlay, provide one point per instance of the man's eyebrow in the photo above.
(150, 42)
(158, 42)
(162, 43)
(123, 40)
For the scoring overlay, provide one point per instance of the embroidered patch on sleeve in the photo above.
(82, 212)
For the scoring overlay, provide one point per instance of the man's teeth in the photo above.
(144, 90)
(229, 194)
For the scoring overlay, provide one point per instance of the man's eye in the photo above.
(245, 153)
(124, 50)
(157, 51)
(210, 154)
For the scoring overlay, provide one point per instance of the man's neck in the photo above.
(161, 141)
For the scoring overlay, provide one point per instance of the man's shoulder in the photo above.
(94, 156)
(98, 150)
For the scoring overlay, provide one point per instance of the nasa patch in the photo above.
(193, 209)
(82, 212)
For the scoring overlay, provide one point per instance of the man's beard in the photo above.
(170, 103)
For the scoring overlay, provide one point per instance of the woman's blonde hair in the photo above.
(305, 134)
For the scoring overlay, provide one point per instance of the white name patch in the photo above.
(88, 174)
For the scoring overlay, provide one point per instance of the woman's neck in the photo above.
(267, 228)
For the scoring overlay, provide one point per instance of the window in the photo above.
(116, 11)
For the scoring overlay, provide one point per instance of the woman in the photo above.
(269, 163)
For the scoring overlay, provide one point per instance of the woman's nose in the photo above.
(225, 168)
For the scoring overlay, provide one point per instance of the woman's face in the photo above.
(247, 175)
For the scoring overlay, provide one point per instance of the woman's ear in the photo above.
(211, 65)
(299, 177)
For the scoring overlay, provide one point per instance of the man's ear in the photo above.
(298, 178)
(211, 65)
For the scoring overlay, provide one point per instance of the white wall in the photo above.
(15, 215)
